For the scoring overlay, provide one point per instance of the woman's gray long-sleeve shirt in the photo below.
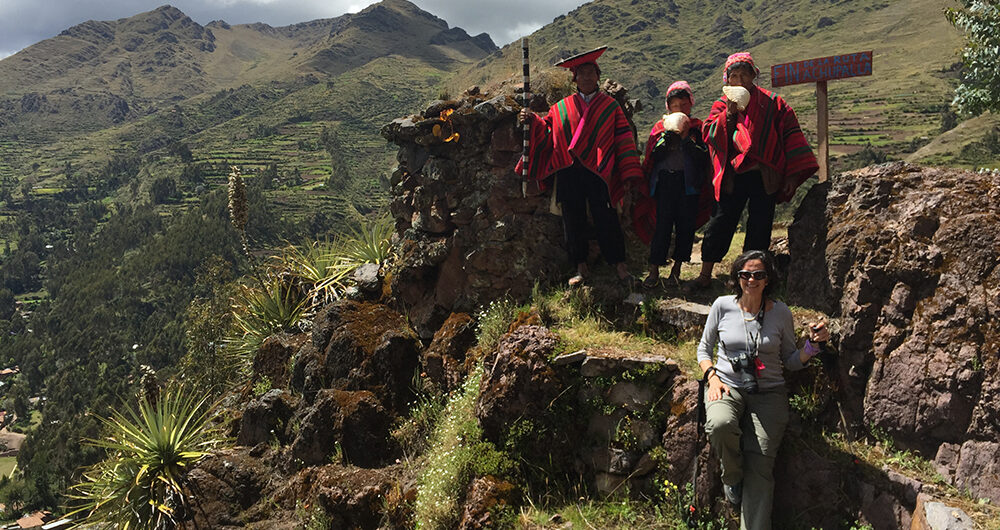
(775, 338)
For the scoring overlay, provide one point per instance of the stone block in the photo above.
(631, 395)
(933, 515)
(599, 367)
(686, 316)
(570, 358)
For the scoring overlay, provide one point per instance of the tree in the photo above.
(162, 189)
(17, 398)
(980, 87)
(338, 167)
(8, 305)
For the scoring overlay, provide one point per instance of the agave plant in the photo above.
(142, 482)
(370, 244)
(319, 267)
(260, 312)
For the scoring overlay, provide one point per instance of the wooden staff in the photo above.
(526, 128)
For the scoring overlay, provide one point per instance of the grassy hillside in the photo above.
(220, 95)
(651, 43)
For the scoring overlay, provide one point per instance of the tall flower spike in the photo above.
(239, 214)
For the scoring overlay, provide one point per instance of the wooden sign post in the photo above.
(820, 71)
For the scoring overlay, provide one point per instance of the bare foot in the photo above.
(652, 277)
(675, 272)
(623, 273)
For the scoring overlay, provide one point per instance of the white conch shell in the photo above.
(737, 94)
(677, 122)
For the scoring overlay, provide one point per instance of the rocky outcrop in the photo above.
(444, 360)
(346, 426)
(971, 466)
(328, 419)
(518, 382)
(225, 484)
(907, 258)
(272, 358)
(483, 499)
(359, 346)
(934, 515)
(348, 497)
(265, 419)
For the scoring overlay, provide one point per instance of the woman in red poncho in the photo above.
(759, 156)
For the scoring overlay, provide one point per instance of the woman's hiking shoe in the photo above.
(734, 493)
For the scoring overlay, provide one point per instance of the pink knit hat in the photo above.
(680, 85)
(738, 57)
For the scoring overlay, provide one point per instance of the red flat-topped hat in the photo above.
(583, 58)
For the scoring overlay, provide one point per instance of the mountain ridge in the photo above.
(164, 55)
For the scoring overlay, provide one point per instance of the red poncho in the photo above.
(644, 213)
(598, 135)
(768, 135)
(654, 135)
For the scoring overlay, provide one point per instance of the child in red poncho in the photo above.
(676, 167)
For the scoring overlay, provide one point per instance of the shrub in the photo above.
(142, 482)
(319, 268)
(371, 243)
(273, 307)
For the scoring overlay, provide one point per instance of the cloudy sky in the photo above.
(25, 22)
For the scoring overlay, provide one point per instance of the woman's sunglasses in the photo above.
(757, 275)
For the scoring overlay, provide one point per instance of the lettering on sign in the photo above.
(822, 69)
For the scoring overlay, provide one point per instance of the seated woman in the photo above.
(676, 167)
(746, 403)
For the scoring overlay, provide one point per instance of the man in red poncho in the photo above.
(759, 156)
(586, 143)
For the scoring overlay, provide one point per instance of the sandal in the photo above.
(650, 281)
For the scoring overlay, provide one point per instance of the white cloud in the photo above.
(505, 21)
(521, 30)
(25, 22)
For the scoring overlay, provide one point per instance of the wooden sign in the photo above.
(822, 69)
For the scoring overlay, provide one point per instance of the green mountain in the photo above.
(134, 66)
(182, 102)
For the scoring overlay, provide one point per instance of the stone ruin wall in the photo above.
(469, 234)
